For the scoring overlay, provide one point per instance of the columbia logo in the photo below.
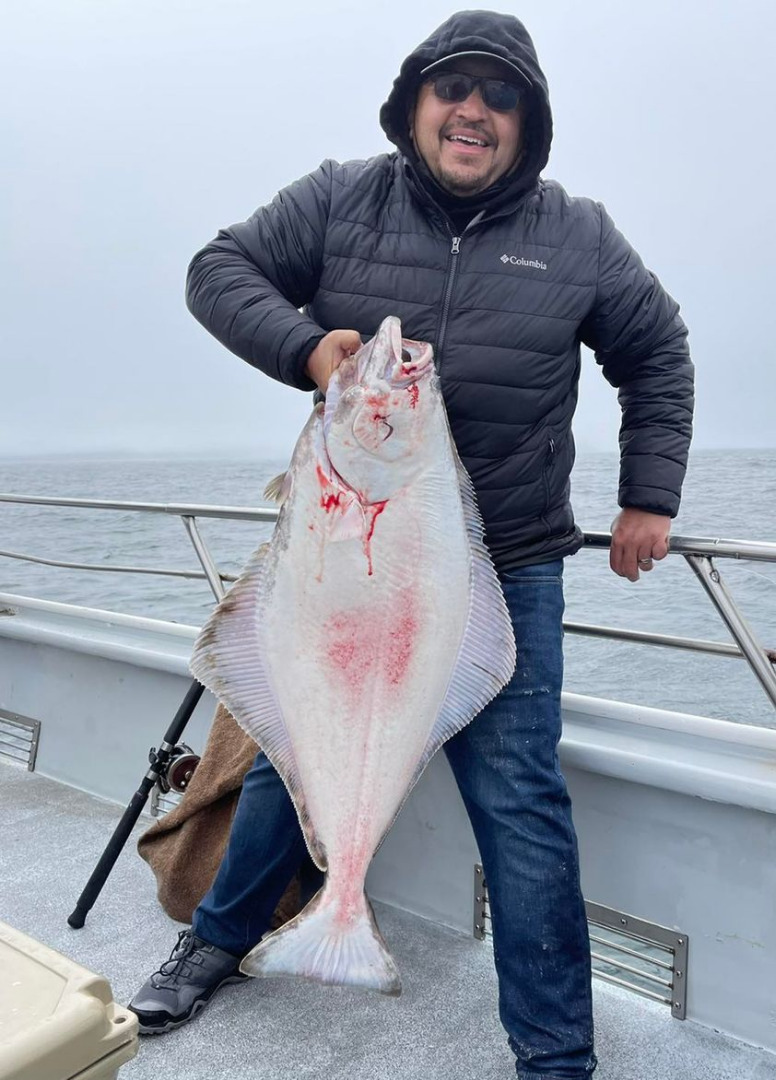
(518, 260)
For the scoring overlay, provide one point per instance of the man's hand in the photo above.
(638, 537)
(329, 353)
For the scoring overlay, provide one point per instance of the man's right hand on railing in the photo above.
(638, 538)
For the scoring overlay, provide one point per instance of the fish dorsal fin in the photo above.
(279, 487)
(487, 655)
(227, 660)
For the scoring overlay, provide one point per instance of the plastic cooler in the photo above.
(58, 1021)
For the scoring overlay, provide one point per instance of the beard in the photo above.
(462, 182)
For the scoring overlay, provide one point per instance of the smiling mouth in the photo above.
(468, 142)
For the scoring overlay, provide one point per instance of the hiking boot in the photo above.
(184, 984)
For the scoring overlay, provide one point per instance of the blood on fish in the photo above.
(332, 499)
(371, 511)
(400, 644)
(413, 391)
(329, 502)
(342, 652)
(349, 877)
(365, 644)
(330, 496)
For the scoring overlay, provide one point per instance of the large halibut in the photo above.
(370, 629)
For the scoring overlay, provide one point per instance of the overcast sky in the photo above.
(132, 130)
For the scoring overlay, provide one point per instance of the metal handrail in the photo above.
(233, 513)
(115, 568)
(704, 546)
(670, 641)
(679, 545)
(697, 551)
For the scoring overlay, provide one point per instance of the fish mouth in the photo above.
(390, 358)
(415, 359)
(385, 363)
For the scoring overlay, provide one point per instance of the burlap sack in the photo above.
(185, 847)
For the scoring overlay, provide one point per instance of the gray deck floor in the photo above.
(444, 1026)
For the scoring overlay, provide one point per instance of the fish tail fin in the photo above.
(327, 943)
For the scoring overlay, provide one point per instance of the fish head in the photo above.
(377, 409)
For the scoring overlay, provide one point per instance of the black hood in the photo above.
(485, 31)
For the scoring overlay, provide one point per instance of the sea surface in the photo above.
(729, 494)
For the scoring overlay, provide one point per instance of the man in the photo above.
(505, 274)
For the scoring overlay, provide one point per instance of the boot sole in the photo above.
(196, 1009)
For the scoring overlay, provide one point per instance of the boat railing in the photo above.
(698, 552)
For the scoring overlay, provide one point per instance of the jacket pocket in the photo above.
(547, 471)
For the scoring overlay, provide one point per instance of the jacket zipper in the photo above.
(454, 251)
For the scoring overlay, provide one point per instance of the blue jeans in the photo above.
(506, 765)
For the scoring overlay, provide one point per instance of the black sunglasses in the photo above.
(496, 93)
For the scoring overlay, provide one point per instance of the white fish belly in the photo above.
(361, 660)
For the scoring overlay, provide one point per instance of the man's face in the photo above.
(464, 169)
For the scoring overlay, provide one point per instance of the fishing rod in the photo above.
(171, 767)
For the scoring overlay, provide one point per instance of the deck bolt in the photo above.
(678, 974)
(680, 941)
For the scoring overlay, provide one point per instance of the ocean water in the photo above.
(730, 494)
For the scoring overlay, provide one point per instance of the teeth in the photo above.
(463, 139)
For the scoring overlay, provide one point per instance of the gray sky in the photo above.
(132, 130)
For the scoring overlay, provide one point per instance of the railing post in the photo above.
(204, 556)
(711, 580)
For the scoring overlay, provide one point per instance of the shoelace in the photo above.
(172, 969)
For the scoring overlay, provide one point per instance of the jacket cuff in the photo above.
(297, 348)
(650, 499)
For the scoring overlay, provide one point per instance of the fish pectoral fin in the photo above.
(347, 521)
(279, 488)
(319, 944)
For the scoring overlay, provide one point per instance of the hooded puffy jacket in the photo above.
(506, 305)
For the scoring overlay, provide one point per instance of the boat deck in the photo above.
(444, 1026)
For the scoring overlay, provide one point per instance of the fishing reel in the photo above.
(176, 774)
